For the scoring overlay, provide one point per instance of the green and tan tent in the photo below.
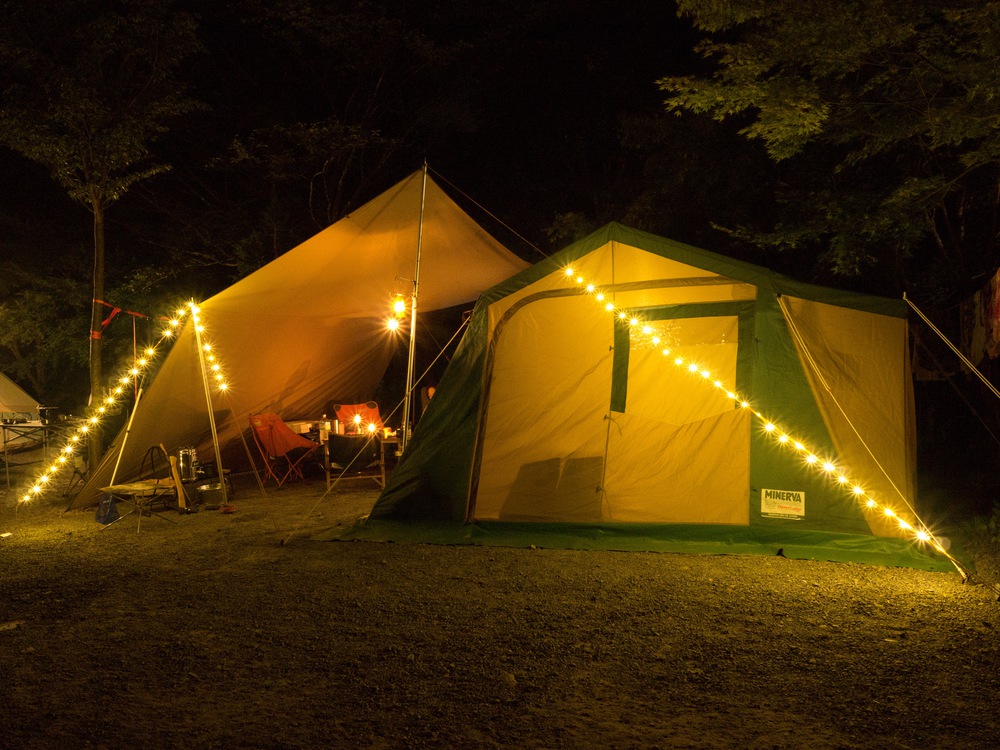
(561, 421)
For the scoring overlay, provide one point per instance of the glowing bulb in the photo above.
(609, 307)
(842, 479)
(656, 340)
(357, 419)
(622, 315)
(372, 427)
(590, 288)
(392, 324)
(904, 525)
(889, 512)
(600, 297)
(923, 536)
(399, 305)
(150, 352)
(634, 322)
(783, 439)
(745, 404)
(693, 367)
(705, 374)
(797, 445)
(174, 323)
(828, 467)
(769, 427)
(857, 490)
(579, 279)
(717, 383)
(569, 271)
(223, 387)
(648, 330)
(811, 459)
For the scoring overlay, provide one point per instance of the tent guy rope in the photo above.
(915, 528)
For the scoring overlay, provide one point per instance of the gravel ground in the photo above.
(239, 631)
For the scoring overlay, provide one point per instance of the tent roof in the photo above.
(307, 329)
(698, 258)
(14, 399)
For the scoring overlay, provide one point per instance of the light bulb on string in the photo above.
(811, 458)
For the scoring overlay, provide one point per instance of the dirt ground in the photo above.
(214, 630)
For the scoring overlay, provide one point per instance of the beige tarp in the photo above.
(14, 399)
(309, 329)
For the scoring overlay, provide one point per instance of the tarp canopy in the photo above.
(559, 423)
(15, 401)
(308, 329)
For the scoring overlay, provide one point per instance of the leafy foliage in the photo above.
(43, 332)
(86, 92)
(885, 115)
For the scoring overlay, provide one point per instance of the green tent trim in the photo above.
(675, 538)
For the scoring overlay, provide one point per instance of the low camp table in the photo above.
(145, 496)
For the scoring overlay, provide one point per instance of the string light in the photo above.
(645, 331)
(112, 398)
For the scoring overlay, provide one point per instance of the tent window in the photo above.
(717, 336)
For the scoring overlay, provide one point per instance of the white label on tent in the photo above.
(782, 503)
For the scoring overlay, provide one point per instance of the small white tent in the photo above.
(308, 328)
(15, 401)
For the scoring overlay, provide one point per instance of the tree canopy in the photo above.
(884, 119)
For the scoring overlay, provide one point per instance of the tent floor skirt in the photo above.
(717, 540)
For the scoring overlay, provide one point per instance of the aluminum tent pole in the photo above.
(413, 319)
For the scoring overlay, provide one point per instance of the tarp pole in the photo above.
(128, 428)
(208, 403)
(413, 319)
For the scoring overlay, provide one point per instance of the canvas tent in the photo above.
(15, 402)
(555, 424)
(308, 329)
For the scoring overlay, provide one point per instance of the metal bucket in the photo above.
(209, 495)
(187, 458)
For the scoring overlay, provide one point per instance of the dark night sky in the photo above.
(533, 118)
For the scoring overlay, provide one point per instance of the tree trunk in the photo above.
(95, 446)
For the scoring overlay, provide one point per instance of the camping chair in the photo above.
(282, 449)
(355, 451)
(358, 419)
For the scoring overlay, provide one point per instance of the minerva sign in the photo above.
(782, 503)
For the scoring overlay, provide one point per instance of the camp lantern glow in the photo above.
(811, 459)
(131, 376)
(397, 309)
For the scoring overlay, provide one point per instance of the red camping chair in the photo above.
(358, 419)
(282, 449)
